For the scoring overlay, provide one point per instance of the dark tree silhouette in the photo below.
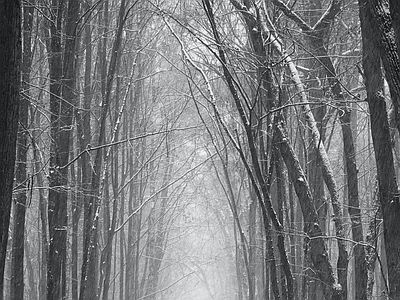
(388, 189)
(18, 240)
(10, 34)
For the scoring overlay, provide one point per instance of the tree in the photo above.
(10, 34)
(394, 7)
(316, 37)
(62, 102)
(323, 267)
(194, 148)
(388, 188)
(22, 181)
(90, 239)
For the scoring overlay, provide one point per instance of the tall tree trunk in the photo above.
(89, 251)
(32, 279)
(316, 37)
(10, 65)
(17, 266)
(84, 139)
(56, 221)
(252, 244)
(388, 189)
(316, 243)
(110, 219)
(282, 200)
(69, 92)
(61, 69)
(133, 236)
(76, 207)
(381, 25)
(315, 91)
(122, 241)
(270, 262)
(38, 168)
(395, 14)
(372, 239)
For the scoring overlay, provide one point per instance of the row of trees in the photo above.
(260, 135)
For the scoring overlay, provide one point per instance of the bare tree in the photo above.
(62, 84)
(22, 180)
(388, 189)
(10, 12)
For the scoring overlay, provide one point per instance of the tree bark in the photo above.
(17, 266)
(76, 207)
(315, 36)
(316, 243)
(394, 7)
(10, 66)
(32, 280)
(382, 25)
(91, 247)
(38, 168)
(252, 246)
(282, 201)
(388, 189)
(62, 76)
(56, 209)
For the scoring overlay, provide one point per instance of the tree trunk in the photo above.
(84, 139)
(316, 39)
(388, 189)
(395, 14)
(282, 200)
(56, 215)
(252, 246)
(270, 261)
(91, 248)
(110, 219)
(316, 243)
(10, 52)
(42, 207)
(316, 91)
(76, 207)
(62, 70)
(372, 251)
(17, 266)
(381, 25)
(122, 241)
